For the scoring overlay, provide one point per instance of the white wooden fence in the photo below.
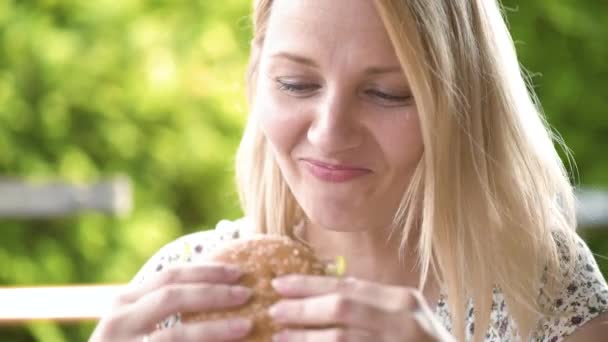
(30, 200)
(56, 303)
(592, 208)
(89, 302)
(70, 302)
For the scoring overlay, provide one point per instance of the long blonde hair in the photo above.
(490, 194)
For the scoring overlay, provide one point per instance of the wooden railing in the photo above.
(592, 208)
(56, 303)
(60, 303)
(27, 200)
(89, 302)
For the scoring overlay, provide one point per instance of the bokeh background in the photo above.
(154, 90)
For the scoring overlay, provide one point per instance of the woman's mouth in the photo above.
(334, 173)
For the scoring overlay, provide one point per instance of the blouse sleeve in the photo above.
(584, 298)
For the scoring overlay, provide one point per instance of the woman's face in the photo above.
(337, 111)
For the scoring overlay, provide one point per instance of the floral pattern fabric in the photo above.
(584, 298)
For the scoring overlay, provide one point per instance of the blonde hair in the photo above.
(490, 194)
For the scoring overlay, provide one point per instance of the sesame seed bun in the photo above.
(261, 258)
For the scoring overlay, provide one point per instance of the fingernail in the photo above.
(282, 336)
(276, 311)
(240, 292)
(280, 283)
(240, 325)
(233, 271)
(276, 283)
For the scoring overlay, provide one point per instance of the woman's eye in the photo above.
(394, 99)
(296, 88)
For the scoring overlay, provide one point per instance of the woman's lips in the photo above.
(333, 173)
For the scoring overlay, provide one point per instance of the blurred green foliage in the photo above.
(154, 89)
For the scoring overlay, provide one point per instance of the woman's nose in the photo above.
(335, 127)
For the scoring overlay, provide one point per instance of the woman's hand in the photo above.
(183, 288)
(346, 309)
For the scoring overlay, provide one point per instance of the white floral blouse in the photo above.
(585, 298)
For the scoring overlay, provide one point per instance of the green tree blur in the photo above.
(154, 89)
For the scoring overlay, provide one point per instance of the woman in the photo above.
(401, 135)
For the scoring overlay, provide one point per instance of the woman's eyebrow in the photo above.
(296, 58)
(372, 70)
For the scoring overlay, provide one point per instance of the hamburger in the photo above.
(262, 258)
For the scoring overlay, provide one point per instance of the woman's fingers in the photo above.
(336, 309)
(183, 288)
(188, 273)
(388, 297)
(143, 315)
(208, 331)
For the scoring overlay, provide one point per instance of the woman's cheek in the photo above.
(282, 122)
(401, 140)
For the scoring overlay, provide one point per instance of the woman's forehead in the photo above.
(360, 15)
(317, 25)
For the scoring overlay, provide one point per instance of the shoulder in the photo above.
(584, 296)
(193, 246)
